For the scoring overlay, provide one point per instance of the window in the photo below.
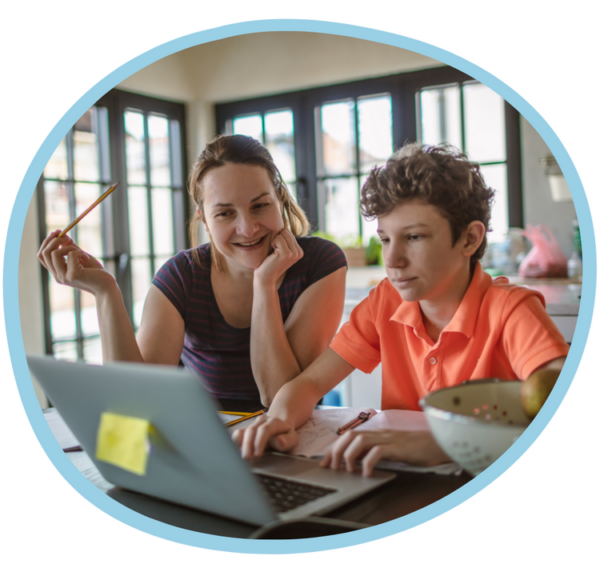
(470, 116)
(135, 140)
(275, 130)
(340, 132)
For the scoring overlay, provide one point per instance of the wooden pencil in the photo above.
(86, 212)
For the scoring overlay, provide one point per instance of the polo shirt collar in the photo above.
(465, 318)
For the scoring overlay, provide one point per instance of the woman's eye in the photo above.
(222, 214)
(260, 206)
(384, 240)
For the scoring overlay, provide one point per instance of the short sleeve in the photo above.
(325, 258)
(530, 338)
(174, 280)
(357, 341)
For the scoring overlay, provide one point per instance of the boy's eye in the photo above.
(414, 237)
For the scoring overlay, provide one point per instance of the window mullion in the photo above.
(357, 163)
(149, 193)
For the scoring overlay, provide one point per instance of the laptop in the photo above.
(194, 461)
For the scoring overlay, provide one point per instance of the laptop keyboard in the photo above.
(286, 494)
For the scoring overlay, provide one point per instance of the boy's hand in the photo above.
(263, 432)
(416, 447)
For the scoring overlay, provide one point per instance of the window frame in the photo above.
(115, 211)
(403, 88)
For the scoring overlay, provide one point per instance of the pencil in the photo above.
(362, 417)
(86, 212)
(245, 418)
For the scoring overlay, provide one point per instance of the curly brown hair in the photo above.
(438, 175)
(240, 149)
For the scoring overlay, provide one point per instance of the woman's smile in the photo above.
(250, 245)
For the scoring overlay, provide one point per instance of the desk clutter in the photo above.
(127, 442)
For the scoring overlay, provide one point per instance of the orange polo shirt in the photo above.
(499, 331)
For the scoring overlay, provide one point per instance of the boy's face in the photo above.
(420, 260)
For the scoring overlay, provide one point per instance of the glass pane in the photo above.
(162, 221)
(369, 227)
(279, 139)
(139, 240)
(135, 148)
(158, 133)
(338, 138)
(57, 165)
(92, 350)
(89, 232)
(85, 147)
(440, 116)
(62, 306)
(89, 316)
(65, 350)
(375, 131)
(484, 124)
(495, 176)
(141, 278)
(57, 206)
(341, 209)
(293, 190)
(249, 126)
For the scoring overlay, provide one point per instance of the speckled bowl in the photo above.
(476, 422)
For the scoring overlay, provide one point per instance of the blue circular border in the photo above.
(13, 325)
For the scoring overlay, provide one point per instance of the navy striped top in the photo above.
(216, 351)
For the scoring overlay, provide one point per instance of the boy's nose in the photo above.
(395, 257)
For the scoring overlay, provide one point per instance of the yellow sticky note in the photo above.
(123, 441)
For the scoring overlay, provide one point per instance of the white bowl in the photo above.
(475, 423)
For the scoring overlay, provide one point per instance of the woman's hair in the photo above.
(438, 175)
(240, 149)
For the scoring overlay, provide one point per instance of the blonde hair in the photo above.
(240, 149)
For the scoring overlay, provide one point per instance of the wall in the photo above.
(30, 293)
(538, 205)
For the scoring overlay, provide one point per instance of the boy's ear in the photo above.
(473, 237)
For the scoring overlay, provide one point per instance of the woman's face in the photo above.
(241, 213)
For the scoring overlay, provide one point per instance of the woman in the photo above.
(248, 311)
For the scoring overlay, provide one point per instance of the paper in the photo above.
(319, 432)
(316, 434)
(84, 464)
(60, 430)
(123, 442)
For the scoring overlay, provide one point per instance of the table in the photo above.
(407, 493)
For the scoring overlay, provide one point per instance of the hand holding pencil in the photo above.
(70, 265)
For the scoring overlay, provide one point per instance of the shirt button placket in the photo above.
(432, 375)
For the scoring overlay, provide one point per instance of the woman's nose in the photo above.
(247, 225)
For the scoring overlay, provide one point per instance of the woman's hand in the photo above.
(286, 252)
(71, 266)
(263, 432)
(417, 447)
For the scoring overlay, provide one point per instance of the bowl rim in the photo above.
(464, 419)
(442, 414)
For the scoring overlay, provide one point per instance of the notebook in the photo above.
(179, 448)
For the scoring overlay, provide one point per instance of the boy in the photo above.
(436, 320)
